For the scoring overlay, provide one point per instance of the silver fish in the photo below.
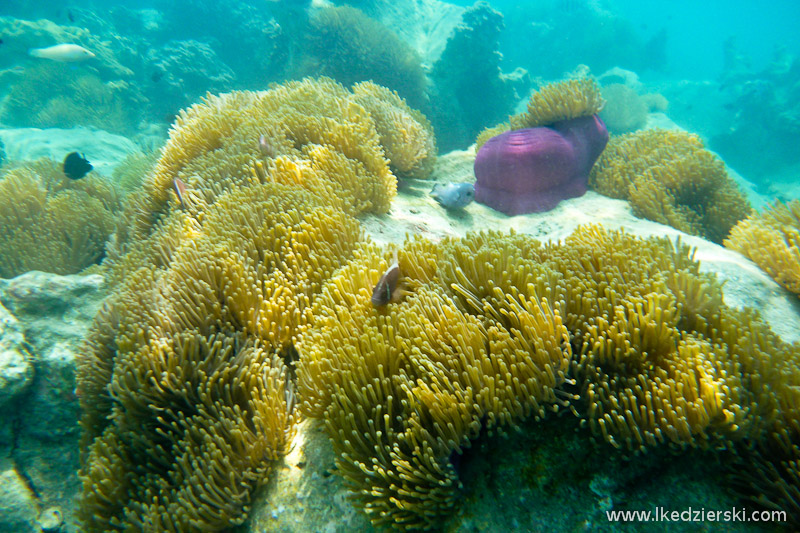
(454, 195)
(66, 53)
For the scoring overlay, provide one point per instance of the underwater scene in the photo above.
(399, 265)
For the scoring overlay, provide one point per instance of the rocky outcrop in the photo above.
(469, 91)
(43, 319)
(18, 507)
(16, 368)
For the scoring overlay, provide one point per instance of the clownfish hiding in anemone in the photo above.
(180, 191)
(388, 288)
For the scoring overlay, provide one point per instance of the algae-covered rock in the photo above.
(16, 369)
(304, 493)
(18, 509)
(470, 92)
(51, 314)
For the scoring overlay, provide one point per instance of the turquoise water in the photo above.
(216, 221)
(723, 66)
(695, 31)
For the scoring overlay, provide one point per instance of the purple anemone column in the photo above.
(531, 170)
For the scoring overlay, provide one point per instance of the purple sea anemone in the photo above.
(531, 170)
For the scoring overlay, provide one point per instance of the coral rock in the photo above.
(54, 312)
(17, 503)
(16, 370)
(532, 169)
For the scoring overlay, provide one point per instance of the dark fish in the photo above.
(70, 16)
(180, 190)
(76, 166)
(157, 75)
(1, 41)
(384, 291)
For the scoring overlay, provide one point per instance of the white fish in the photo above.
(454, 195)
(66, 53)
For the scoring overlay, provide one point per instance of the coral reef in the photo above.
(52, 223)
(345, 44)
(57, 95)
(212, 287)
(101, 92)
(770, 478)
(425, 24)
(251, 42)
(758, 139)
(152, 61)
(626, 110)
(669, 177)
(421, 379)
(218, 416)
(21, 35)
(405, 134)
(651, 368)
(547, 155)
(548, 37)
(494, 328)
(469, 91)
(314, 136)
(214, 317)
(771, 239)
(130, 173)
(183, 71)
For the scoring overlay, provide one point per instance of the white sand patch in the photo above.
(103, 150)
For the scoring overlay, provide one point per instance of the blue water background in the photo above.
(696, 31)
(744, 107)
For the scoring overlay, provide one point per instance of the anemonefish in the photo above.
(180, 190)
(386, 289)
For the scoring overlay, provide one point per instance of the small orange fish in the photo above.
(386, 289)
(180, 189)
